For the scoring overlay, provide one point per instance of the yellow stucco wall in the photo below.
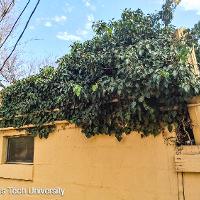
(100, 168)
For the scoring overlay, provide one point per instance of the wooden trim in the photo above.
(180, 179)
(187, 163)
(193, 105)
(189, 150)
(188, 159)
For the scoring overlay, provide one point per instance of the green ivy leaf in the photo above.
(94, 87)
(77, 90)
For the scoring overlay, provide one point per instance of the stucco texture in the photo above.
(100, 168)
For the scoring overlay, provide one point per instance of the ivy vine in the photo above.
(132, 75)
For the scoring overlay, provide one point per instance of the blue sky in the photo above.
(56, 24)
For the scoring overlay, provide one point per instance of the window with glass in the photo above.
(20, 149)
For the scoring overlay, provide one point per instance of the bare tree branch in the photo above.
(7, 10)
(19, 38)
(10, 32)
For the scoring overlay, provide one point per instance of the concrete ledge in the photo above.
(64, 122)
(17, 171)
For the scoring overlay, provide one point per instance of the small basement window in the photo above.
(20, 149)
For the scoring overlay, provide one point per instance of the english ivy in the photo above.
(132, 75)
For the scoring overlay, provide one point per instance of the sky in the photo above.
(57, 24)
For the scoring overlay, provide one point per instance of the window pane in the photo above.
(20, 149)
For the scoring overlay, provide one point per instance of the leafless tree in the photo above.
(30, 67)
(10, 61)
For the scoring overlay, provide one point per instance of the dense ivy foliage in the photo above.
(132, 75)
(167, 12)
